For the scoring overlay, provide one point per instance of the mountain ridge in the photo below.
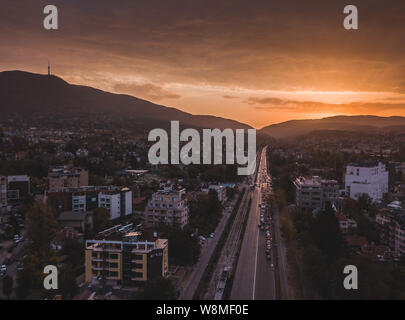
(355, 123)
(28, 93)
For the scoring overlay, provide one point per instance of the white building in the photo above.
(119, 203)
(221, 191)
(346, 224)
(79, 203)
(366, 178)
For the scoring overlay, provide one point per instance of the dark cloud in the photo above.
(289, 45)
(257, 44)
(272, 104)
(230, 97)
(147, 91)
(268, 100)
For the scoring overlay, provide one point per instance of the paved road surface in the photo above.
(253, 278)
(205, 256)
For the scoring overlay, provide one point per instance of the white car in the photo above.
(3, 268)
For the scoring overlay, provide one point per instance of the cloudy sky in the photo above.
(259, 62)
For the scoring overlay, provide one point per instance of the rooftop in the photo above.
(74, 216)
(365, 164)
(128, 233)
(313, 180)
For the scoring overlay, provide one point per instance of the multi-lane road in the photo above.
(196, 275)
(254, 277)
(254, 271)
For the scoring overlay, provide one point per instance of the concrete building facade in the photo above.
(126, 257)
(119, 203)
(315, 193)
(63, 177)
(3, 195)
(370, 178)
(168, 206)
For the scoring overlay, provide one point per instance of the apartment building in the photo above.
(392, 229)
(220, 190)
(370, 178)
(314, 192)
(3, 195)
(117, 200)
(119, 203)
(168, 206)
(18, 188)
(63, 177)
(123, 255)
(81, 222)
(345, 224)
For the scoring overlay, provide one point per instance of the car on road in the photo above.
(272, 267)
(268, 257)
(212, 235)
(3, 268)
(20, 266)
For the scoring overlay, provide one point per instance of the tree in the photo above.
(7, 285)
(287, 227)
(67, 282)
(206, 215)
(75, 251)
(326, 233)
(184, 249)
(32, 276)
(41, 229)
(159, 289)
(24, 285)
(280, 198)
(101, 219)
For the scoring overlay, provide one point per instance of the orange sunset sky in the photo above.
(258, 62)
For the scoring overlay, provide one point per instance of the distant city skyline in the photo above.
(259, 62)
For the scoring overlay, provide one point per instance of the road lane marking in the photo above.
(258, 233)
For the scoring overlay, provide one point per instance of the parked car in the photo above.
(20, 266)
